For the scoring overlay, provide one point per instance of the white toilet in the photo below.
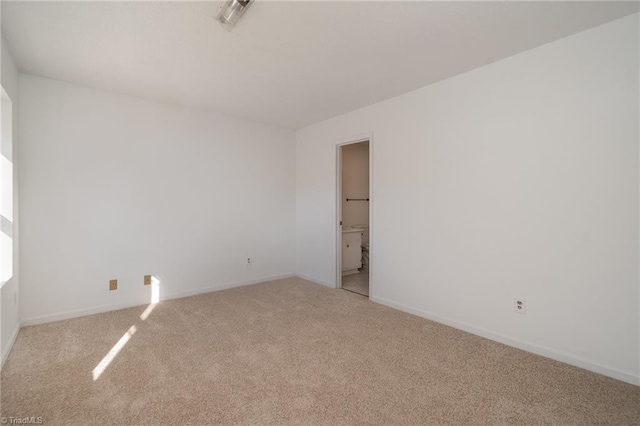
(365, 245)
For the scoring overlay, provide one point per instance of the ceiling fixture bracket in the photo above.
(231, 12)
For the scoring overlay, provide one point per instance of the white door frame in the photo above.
(368, 137)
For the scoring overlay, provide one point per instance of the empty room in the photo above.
(320, 212)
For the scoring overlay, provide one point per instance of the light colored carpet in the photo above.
(358, 283)
(293, 352)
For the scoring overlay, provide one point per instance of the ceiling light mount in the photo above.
(231, 12)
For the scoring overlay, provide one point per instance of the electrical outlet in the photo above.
(147, 280)
(248, 261)
(520, 306)
(113, 284)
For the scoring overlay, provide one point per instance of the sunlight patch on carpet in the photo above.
(113, 353)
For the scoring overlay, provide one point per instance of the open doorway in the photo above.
(353, 217)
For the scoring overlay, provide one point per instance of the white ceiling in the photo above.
(286, 63)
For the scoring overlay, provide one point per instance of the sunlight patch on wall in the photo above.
(155, 298)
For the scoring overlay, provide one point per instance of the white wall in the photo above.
(9, 293)
(517, 179)
(355, 184)
(117, 187)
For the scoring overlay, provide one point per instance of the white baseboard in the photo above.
(7, 350)
(529, 347)
(315, 280)
(115, 307)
